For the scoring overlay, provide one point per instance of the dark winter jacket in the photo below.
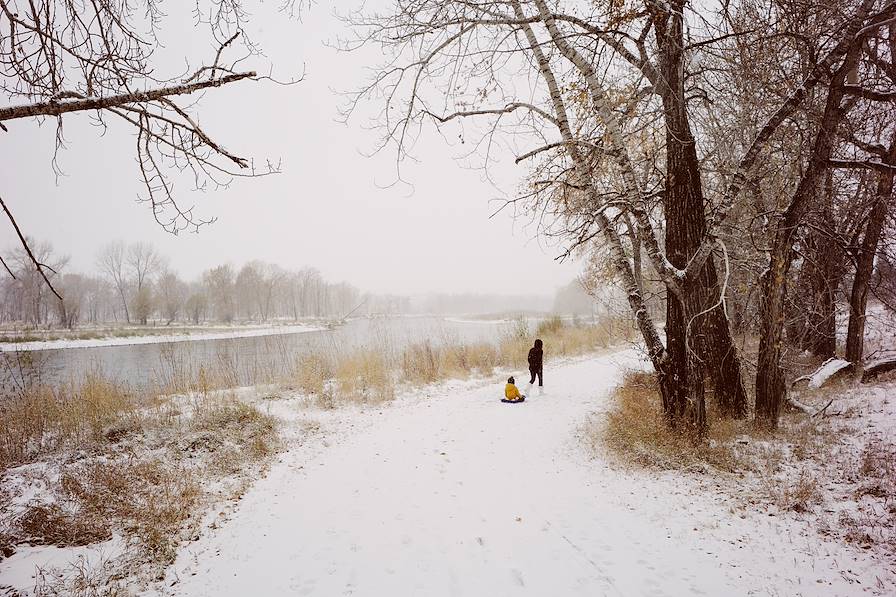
(535, 356)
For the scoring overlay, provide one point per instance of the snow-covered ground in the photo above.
(215, 333)
(459, 494)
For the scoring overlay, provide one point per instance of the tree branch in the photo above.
(40, 267)
(57, 108)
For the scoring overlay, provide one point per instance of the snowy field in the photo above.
(459, 494)
(212, 333)
(446, 491)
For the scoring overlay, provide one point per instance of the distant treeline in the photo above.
(134, 283)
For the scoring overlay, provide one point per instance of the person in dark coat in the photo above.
(536, 358)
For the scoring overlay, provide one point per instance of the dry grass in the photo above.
(149, 500)
(42, 421)
(790, 469)
(423, 363)
(462, 360)
(637, 432)
(312, 372)
(549, 326)
(81, 578)
(365, 376)
(111, 462)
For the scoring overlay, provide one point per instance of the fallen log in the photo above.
(830, 369)
(806, 409)
(875, 368)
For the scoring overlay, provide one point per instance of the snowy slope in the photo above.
(462, 495)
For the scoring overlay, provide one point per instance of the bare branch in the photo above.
(40, 266)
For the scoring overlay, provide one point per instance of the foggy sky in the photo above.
(327, 209)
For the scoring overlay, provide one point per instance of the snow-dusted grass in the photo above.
(372, 375)
(836, 470)
(635, 430)
(446, 491)
(89, 465)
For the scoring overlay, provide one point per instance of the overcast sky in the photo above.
(327, 209)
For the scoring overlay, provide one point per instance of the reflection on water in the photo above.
(245, 360)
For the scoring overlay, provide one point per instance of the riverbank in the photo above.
(126, 336)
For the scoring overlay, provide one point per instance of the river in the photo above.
(246, 360)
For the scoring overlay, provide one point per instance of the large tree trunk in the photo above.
(770, 384)
(813, 324)
(654, 345)
(858, 299)
(698, 338)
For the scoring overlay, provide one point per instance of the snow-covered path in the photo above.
(463, 495)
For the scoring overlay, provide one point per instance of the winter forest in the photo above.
(678, 217)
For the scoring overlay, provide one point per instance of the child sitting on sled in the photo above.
(511, 393)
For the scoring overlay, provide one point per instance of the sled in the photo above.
(506, 401)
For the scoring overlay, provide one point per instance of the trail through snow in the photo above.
(460, 494)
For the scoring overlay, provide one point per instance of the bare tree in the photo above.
(612, 109)
(172, 292)
(61, 57)
(32, 268)
(111, 262)
(144, 261)
(219, 285)
(863, 24)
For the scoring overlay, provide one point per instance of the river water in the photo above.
(246, 361)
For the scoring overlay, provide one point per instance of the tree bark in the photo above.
(858, 299)
(813, 324)
(770, 383)
(698, 336)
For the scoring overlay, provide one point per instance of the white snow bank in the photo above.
(159, 338)
(484, 321)
(21, 571)
(826, 371)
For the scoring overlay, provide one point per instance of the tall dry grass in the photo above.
(784, 464)
(41, 421)
(635, 430)
(110, 461)
(364, 375)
